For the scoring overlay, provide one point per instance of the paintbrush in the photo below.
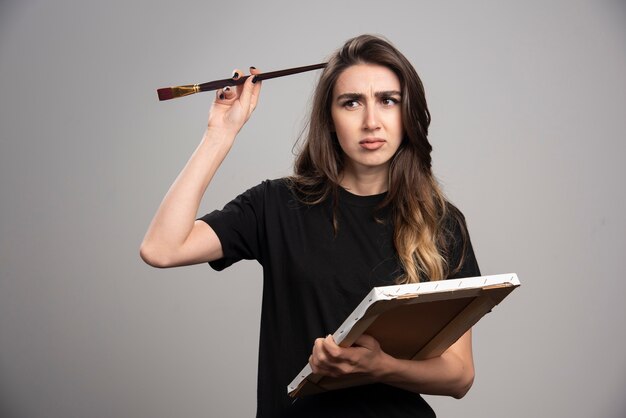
(168, 93)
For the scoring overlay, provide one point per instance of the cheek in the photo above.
(341, 140)
(342, 132)
(396, 120)
(346, 124)
(398, 129)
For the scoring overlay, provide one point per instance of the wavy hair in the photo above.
(419, 211)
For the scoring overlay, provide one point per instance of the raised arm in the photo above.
(174, 237)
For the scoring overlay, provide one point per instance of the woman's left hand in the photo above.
(364, 357)
(450, 374)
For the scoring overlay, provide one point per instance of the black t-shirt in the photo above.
(312, 279)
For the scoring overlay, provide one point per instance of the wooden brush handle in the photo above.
(180, 91)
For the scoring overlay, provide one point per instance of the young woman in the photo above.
(361, 210)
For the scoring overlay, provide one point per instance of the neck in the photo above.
(366, 181)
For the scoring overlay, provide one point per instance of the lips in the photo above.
(372, 143)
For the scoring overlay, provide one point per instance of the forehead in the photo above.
(364, 78)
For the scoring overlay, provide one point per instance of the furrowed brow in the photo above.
(387, 93)
(350, 96)
(360, 96)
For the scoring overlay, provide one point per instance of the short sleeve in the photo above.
(239, 227)
(461, 258)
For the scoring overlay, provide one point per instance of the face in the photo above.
(367, 117)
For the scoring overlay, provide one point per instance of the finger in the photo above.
(313, 364)
(237, 73)
(229, 93)
(318, 346)
(324, 354)
(225, 95)
(332, 350)
(250, 91)
(317, 359)
(254, 99)
(220, 97)
(318, 365)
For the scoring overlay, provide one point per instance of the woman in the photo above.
(361, 210)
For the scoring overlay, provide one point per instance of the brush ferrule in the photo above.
(180, 91)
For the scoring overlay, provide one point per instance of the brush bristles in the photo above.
(165, 93)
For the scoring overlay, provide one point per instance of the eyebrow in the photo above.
(378, 94)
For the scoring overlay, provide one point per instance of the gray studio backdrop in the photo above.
(528, 102)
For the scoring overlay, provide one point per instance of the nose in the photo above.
(371, 118)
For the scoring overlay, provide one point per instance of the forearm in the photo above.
(446, 375)
(176, 214)
(450, 374)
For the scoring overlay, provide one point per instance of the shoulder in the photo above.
(269, 196)
(281, 185)
(454, 224)
(457, 245)
(267, 188)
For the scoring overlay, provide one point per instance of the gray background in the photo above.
(528, 102)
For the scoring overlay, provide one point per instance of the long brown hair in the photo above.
(419, 210)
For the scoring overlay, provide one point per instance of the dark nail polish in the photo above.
(254, 79)
(253, 68)
(221, 96)
(235, 74)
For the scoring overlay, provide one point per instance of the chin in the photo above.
(375, 162)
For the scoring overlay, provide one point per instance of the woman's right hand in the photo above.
(234, 105)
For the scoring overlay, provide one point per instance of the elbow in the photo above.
(463, 385)
(152, 256)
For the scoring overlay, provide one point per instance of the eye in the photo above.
(350, 104)
(390, 101)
